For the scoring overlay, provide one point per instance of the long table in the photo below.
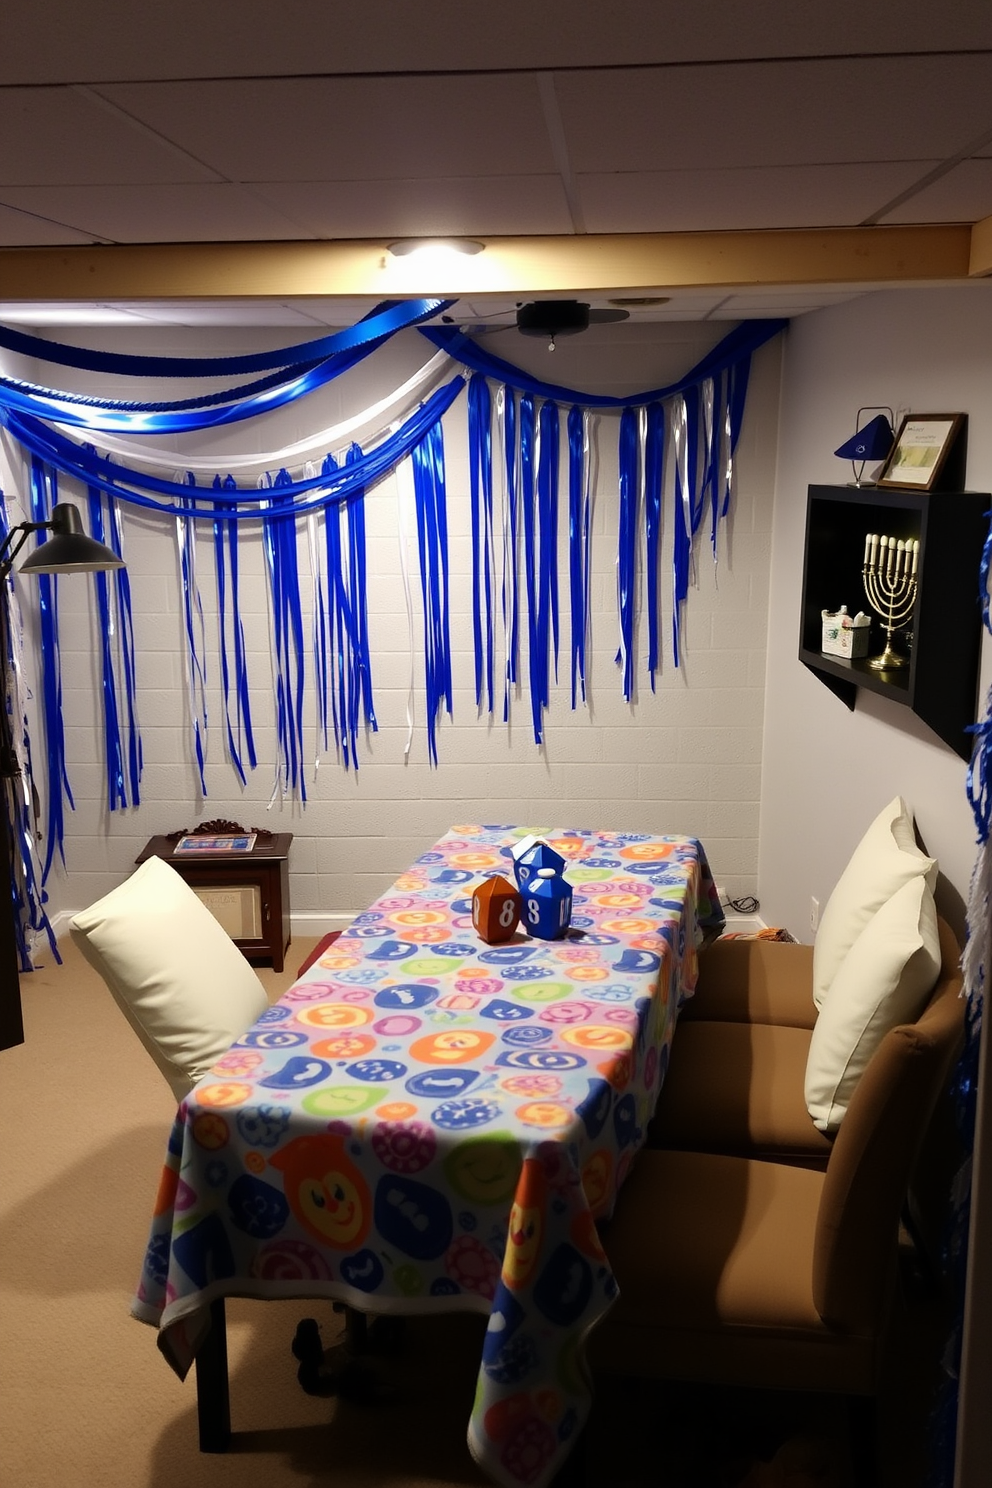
(425, 1122)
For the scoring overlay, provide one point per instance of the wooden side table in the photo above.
(247, 893)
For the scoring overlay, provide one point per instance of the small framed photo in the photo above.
(922, 445)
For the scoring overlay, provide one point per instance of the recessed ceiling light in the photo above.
(406, 246)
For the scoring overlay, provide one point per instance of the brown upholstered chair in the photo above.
(739, 1271)
(736, 1079)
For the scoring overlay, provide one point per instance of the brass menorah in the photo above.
(889, 574)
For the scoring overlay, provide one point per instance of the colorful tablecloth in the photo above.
(424, 1121)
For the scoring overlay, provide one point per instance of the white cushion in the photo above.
(886, 978)
(886, 858)
(181, 982)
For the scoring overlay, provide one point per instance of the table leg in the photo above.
(213, 1396)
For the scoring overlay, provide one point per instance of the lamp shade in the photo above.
(873, 442)
(69, 549)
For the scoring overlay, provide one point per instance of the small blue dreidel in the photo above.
(547, 905)
(495, 910)
(530, 856)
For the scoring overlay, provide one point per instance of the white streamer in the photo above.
(431, 371)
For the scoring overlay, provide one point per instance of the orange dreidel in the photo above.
(495, 910)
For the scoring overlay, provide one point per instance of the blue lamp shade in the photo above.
(873, 442)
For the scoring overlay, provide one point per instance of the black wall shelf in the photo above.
(940, 683)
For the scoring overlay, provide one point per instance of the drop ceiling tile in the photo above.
(775, 113)
(74, 38)
(24, 229)
(429, 207)
(964, 194)
(319, 129)
(721, 200)
(157, 213)
(65, 136)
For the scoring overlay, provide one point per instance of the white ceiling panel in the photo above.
(25, 230)
(340, 129)
(50, 40)
(716, 200)
(158, 214)
(795, 113)
(964, 194)
(424, 208)
(63, 136)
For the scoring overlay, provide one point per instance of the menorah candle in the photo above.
(868, 537)
(916, 554)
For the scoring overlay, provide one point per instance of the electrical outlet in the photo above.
(814, 914)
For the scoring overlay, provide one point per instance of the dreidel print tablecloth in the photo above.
(427, 1122)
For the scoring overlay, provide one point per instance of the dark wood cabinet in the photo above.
(942, 640)
(248, 893)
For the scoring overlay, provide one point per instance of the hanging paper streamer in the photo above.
(654, 480)
(238, 731)
(121, 747)
(578, 547)
(195, 640)
(347, 643)
(122, 584)
(81, 463)
(507, 411)
(382, 322)
(421, 383)
(547, 503)
(432, 538)
(481, 500)
(735, 347)
(279, 543)
(627, 546)
(59, 789)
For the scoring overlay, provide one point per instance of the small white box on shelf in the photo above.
(844, 634)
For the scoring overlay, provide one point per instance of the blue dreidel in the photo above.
(530, 856)
(547, 905)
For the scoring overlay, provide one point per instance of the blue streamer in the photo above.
(341, 485)
(238, 732)
(114, 752)
(536, 664)
(511, 597)
(192, 625)
(122, 585)
(654, 479)
(384, 320)
(151, 418)
(735, 347)
(359, 608)
(279, 539)
(627, 546)
(59, 789)
(481, 501)
(348, 638)
(547, 495)
(578, 549)
(432, 535)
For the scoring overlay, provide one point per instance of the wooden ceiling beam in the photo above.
(526, 265)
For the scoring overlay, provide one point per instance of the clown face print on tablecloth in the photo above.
(324, 1189)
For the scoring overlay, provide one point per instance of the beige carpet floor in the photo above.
(87, 1401)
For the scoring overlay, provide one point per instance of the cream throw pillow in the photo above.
(182, 984)
(886, 858)
(885, 979)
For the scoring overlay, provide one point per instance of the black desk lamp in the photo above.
(68, 550)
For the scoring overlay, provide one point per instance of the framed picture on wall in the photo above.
(922, 445)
